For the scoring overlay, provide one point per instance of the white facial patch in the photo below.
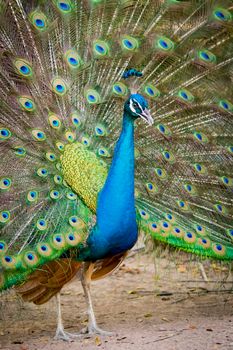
(131, 102)
(144, 114)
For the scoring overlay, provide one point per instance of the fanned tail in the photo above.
(62, 67)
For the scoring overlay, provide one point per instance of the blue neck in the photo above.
(120, 180)
(116, 229)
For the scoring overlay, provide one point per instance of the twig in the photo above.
(202, 291)
(200, 281)
(203, 273)
(164, 338)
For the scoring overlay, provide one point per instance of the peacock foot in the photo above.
(92, 330)
(61, 334)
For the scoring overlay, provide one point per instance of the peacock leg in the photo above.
(92, 327)
(61, 334)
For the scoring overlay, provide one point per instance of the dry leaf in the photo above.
(191, 326)
(98, 341)
(181, 268)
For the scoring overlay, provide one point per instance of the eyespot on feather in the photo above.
(44, 249)
(54, 121)
(58, 179)
(76, 120)
(30, 259)
(58, 241)
(151, 187)
(204, 242)
(3, 247)
(103, 152)
(5, 134)
(225, 105)
(154, 227)
(50, 156)
(41, 224)
(60, 146)
(92, 96)
(151, 91)
(23, 68)
(222, 15)
(161, 173)
(73, 59)
(120, 89)
(144, 215)
(20, 151)
(163, 129)
(70, 136)
(164, 44)
(177, 232)
(200, 229)
(200, 168)
(101, 49)
(42, 172)
(59, 86)
(170, 217)
(65, 7)
(190, 237)
(71, 196)
(183, 205)
(206, 56)
(39, 21)
(73, 238)
(129, 43)
(85, 141)
(5, 183)
(26, 104)
(219, 249)
(55, 194)
(185, 96)
(5, 216)
(10, 262)
(168, 156)
(32, 196)
(199, 136)
(38, 135)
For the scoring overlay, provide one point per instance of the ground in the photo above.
(149, 303)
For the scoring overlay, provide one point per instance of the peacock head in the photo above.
(137, 107)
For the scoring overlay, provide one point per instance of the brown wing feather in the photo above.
(46, 282)
(104, 267)
(43, 284)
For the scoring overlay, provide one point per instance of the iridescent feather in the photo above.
(62, 92)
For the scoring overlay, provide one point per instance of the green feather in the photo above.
(61, 104)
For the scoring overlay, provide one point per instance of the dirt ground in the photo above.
(149, 303)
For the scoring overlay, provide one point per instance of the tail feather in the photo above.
(61, 82)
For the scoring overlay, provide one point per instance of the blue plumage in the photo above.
(116, 229)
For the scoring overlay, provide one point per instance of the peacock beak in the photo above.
(145, 115)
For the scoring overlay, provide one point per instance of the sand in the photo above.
(146, 310)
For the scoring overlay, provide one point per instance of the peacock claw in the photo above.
(66, 336)
(92, 330)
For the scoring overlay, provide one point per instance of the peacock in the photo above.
(116, 119)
